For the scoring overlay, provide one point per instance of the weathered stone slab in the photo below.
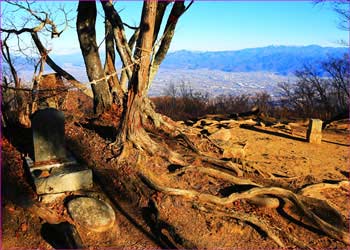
(48, 135)
(92, 214)
(59, 177)
(33, 166)
(53, 170)
(314, 131)
(62, 179)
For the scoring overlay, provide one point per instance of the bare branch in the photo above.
(130, 27)
(6, 54)
(43, 51)
(132, 42)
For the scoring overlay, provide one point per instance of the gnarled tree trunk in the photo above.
(87, 38)
(132, 128)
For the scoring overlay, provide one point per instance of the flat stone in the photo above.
(92, 214)
(222, 135)
(48, 135)
(62, 179)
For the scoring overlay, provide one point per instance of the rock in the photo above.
(233, 151)
(92, 214)
(64, 179)
(314, 131)
(221, 135)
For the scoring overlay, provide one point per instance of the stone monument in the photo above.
(314, 131)
(54, 170)
(48, 135)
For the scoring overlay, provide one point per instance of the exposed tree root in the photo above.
(258, 195)
(280, 193)
(228, 165)
(247, 218)
(217, 174)
(314, 191)
(321, 186)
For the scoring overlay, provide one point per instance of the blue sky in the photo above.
(232, 25)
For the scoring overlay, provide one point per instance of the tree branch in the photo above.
(159, 18)
(176, 12)
(123, 48)
(6, 54)
(43, 51)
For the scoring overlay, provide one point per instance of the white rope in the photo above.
(152, 51)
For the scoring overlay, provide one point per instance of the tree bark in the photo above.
(119, 36)
(87, 38)
(159, 18)
(113, 81)
(177, 10)
(132, 128)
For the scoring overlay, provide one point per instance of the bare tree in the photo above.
(36, 21)
(325, 96)
(141, 56)
(341, 7)
(23, 37)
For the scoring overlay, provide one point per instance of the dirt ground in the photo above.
(280, 151)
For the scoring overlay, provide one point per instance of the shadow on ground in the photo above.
(251, 127)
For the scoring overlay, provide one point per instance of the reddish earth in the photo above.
(180, 222)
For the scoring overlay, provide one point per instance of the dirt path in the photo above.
(285, 154)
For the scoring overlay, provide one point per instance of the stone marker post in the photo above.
(314, 131)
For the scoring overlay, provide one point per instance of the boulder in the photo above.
(92, 214)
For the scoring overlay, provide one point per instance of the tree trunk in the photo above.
(177, 10)
(113, 81)
(119, 35)
(87, 38)
(132, 128)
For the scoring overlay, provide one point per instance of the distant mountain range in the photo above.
(282, 60)
(222, 72)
